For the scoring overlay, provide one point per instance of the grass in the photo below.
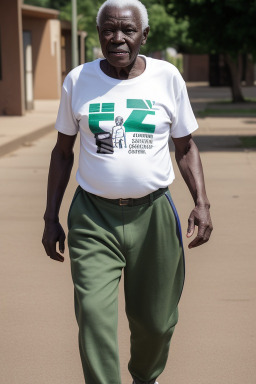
(227, 112)
(229, 101)
(248, 141)
(227, 108)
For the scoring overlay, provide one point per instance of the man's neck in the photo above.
(124, 73)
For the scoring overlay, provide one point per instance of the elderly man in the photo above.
(122, 217)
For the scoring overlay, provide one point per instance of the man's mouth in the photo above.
(119, 52)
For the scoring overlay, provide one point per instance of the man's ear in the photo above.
(145, 36)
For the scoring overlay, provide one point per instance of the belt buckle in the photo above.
(123, 202)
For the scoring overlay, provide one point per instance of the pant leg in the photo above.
(96, 266)
(154, 277)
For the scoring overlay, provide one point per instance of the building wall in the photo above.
(12, 77)
(45, 56)
(66, 54)
(195, 67)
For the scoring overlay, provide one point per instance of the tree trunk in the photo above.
(249, 75)
(235, 73)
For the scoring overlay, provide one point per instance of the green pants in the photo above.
(145, 242)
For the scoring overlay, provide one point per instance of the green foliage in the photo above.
(175, 60)
(162, 29)
(248, 142)
(165, 30)
(86, 21)
(227, 112)
(218, 26)
(58, 4)
(38, 3)
(55, 4)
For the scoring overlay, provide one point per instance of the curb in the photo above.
(29, 137)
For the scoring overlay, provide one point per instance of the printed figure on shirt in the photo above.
(118, 133)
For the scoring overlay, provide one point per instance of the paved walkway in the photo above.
(214, 342)
(17, 131)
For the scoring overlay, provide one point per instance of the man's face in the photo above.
(119, 120)
(120, 34)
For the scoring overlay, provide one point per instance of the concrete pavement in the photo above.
(214, 342)
(17, 131)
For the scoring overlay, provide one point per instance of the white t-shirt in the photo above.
(125, 127)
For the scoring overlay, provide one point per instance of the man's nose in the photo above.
(118, 37)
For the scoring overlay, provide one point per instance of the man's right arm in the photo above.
(61, 164)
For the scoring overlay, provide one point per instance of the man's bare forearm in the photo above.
(189, 163)
(61, 164)
(59, 175)
(191, 169)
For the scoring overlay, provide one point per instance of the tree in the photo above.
(58, 4)
(220, 26)
(164, 30)
(86, 21)
(55, 4)
(38, 3)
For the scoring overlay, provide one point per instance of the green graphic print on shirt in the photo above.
(134, 123)
(106, 141)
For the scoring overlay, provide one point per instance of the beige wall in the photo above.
(11, 82)
(195, 67)
(45, 56)
(66, 54)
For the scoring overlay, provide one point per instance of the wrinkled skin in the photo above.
(121, 36)
(189, 163)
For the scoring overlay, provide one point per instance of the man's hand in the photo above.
(200, 216)
(53, 234)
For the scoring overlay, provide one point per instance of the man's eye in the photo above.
(129, 31)
(107, 31)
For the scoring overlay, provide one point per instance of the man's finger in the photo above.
(202, 237)
(196, 242)
(191, 227)
(56, 256)
(50, 250)
(208, 233)
(46, 247)
(62, 242)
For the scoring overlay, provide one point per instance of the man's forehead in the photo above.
(111, 13)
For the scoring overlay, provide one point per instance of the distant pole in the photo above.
(74, 35)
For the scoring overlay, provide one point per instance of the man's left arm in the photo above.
(190, 166)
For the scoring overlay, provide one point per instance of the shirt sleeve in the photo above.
(184, 121)
(66, 121)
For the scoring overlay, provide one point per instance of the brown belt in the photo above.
(130, 202)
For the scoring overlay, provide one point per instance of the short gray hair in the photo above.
(123, 4)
